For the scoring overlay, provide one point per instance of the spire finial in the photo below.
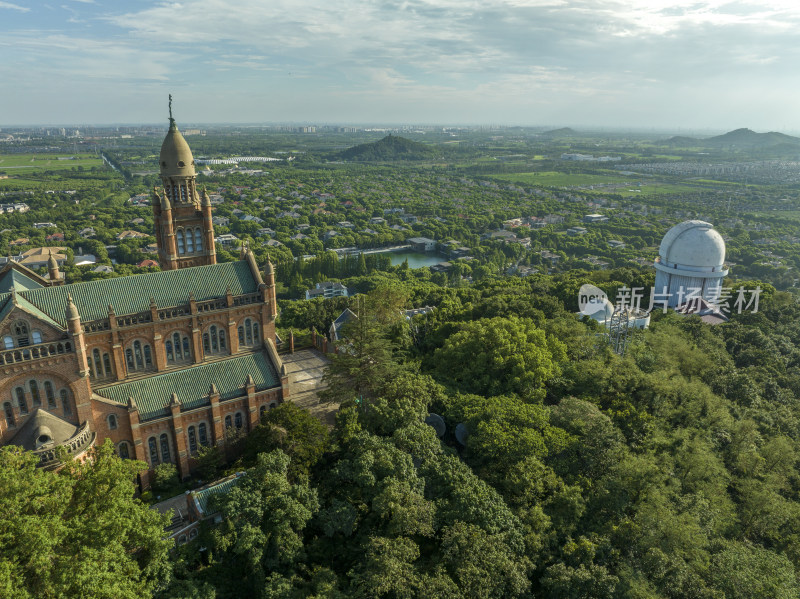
(171, 120)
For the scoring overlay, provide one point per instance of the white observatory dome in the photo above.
(693, 243)
(691, 262)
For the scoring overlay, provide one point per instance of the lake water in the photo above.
(416, 259)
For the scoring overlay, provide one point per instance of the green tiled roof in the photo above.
(130, 295)
(202, 496)
(153, 394)
(14, 279)
(8, 304)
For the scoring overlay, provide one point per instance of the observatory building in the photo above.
(691, 262)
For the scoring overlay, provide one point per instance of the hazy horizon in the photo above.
(660, 65)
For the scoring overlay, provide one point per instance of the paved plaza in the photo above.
(305, 368)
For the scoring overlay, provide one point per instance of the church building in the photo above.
(160, 363)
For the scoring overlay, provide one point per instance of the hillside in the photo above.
(739, 137)
(563, 132)
(747, 137)
(389, 148)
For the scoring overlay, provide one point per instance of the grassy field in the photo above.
(24, 164)
(611, 183)
(556, 179)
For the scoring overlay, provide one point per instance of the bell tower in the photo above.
(184, 231)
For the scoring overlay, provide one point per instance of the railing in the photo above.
(102, 324)
(35, 352)
(134, 319)
(83, 439)
(214, 304)
(250, 298)
(93, 326)
(173, 312)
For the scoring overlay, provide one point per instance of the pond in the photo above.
(416, 259)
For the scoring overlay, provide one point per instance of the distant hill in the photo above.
(563, 132)
(389, 148)
(745, 138)
(682, 140)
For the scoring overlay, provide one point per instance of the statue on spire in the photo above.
(171, 120)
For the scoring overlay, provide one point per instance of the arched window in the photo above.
(170, 355)
(181, 246)
(137, 354)
(164, 448)
(248, 332)
(222, 344)
(198, 240)
(176, 339)
(202, 434)
(36, 336)
(153, 446)
(34, 387)
(8, 342)
(21, 332)
(20, 393)
(189, 242)
(238, 420)
(124, 451)
(214, 338)
(273, 405)
(187, 354)
(95, 364)
(107, 364)
(50, 394)
(261, 411)
(9, 413)
(112, 422)
(228, 421)
(65, 402)
(192, 440)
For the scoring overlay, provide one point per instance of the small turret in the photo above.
(269, 273)
(72, 309)
(52, 268)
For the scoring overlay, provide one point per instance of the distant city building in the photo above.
(595, 218)
(327, 289)
(422, 244)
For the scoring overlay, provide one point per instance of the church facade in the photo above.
(160, 363)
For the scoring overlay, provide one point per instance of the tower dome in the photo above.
(176, 158)
(691, 263)
(693, 243)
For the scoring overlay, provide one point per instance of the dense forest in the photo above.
(669, 472)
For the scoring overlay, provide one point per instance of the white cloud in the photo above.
(11, 6)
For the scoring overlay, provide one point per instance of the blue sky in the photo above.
(711, 64)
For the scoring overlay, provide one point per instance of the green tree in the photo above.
(494, 356)
(78, 532)
(293, 430)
